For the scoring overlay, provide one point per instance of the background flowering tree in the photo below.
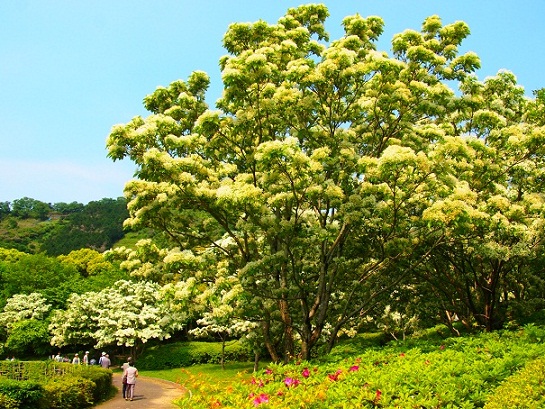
(24, 324)
(20, 307)
(128, 314)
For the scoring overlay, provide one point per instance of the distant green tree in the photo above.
(5, 209)
(97, 272)
(27, 208)
(37, 273)
(29, 338)
(88, 262)
(68, 208)
(11, 255)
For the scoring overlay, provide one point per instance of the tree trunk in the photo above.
(265, 327)
(223, 352)
(256, 360)
(289, 346)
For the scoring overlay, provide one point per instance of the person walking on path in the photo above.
(152, 393)
(124, 380)
(132, 373)
(86, 358)
(76, 360)
(105, 361)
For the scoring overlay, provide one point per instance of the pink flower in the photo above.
(268, 371)
(259, 384)
(289, 382)
(378, 395)
(334, 377)
(263, 398)
(305, 373)
(402, 355)
(354, 368)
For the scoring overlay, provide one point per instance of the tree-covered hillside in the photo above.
(32, 226)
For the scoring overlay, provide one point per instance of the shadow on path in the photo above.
(149, 393)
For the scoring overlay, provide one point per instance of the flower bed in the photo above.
(459, 373)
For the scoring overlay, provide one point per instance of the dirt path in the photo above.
(149, 393)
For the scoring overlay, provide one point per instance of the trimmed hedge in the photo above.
(102, 380)
(27, 394)
(69, 393)
(182, 354)
(52, 385)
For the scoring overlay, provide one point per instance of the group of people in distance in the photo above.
(103, 361)
(130, 373)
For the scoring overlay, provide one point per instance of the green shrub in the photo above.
(439, 332)
(28, 394)
(182, 354)
(63, 385)
(525, 389)
(355, 345)
(101, 379)
(69, 393)
(8, 403)
(534, 333)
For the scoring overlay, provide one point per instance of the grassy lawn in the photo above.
(209, 373)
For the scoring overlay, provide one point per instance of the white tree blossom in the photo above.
(23, 307)
(128, 314)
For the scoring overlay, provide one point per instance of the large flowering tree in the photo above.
(313, 177)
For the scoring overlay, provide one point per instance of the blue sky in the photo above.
(70, 70)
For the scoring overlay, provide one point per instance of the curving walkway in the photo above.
(149, 393)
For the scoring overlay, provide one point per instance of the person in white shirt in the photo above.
(105, 361)
(124, 368)
(132, 374)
